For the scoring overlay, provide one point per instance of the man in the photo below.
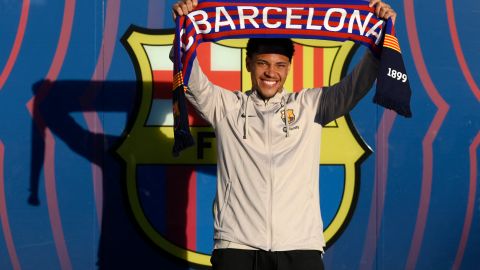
(266, 211)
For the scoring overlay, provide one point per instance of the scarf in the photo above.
(337, 20)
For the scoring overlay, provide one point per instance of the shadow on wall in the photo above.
(123, 245)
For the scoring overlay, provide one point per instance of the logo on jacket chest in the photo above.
(290, 115)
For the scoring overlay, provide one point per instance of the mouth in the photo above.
(269, 83)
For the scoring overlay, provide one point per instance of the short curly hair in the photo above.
(283, 46)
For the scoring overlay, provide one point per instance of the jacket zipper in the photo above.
(270, 194)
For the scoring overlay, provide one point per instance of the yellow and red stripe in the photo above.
(391, 42)
(178, 80)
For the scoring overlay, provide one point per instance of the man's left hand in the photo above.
(383, 10)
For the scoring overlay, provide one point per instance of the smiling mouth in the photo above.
(269, 83)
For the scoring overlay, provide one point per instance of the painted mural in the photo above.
(87, 179)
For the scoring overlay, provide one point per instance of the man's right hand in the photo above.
(183, 7)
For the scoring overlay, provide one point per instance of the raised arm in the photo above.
(339, 99)
(210, 100)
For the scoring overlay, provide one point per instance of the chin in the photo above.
(268, 94)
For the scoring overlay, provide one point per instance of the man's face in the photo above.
(268, 73)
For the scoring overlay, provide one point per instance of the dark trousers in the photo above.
(239, 259)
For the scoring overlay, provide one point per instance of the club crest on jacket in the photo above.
(290, 115)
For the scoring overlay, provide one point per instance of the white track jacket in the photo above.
(268, 164)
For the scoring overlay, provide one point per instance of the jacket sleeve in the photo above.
(210, 100)
(337, 100)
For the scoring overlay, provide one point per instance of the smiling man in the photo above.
(267, 205)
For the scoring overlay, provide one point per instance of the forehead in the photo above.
(271, 57)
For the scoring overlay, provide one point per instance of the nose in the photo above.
(269, 71)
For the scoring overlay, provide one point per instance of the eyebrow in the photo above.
(276, 63)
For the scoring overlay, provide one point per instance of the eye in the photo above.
(261, 63)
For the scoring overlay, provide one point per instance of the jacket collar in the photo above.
(258, 100)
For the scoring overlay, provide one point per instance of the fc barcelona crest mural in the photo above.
(171, 197)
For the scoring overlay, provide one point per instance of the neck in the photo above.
(266, 99)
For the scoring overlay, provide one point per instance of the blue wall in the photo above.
(68, 90)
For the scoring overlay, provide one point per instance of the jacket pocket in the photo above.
(226, 199)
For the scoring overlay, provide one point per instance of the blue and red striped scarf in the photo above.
(338, 20)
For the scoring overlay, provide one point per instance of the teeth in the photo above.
(269, 82)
